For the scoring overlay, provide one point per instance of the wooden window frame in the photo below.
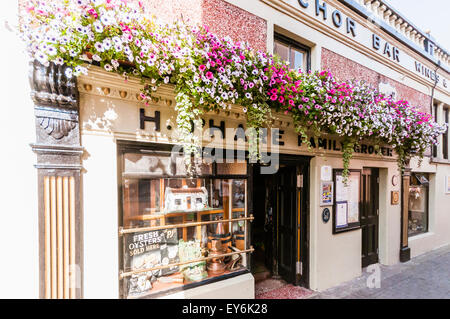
(296, 45)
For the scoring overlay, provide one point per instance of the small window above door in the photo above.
(293, 52)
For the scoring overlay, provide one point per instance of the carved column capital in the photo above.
(56, 101)
(58, 152)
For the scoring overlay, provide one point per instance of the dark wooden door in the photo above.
(286, 219)
(369, 216)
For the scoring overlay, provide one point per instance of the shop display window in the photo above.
(169, 219)
(418, 204)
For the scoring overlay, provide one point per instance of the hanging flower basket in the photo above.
(211, 73)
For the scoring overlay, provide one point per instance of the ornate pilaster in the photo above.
(58, 150)
(405, 251)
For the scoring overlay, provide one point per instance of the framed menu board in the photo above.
(347, 198)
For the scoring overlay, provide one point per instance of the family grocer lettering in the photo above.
(334, 145)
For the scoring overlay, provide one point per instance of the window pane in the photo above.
(298, 59)
(445, 136)
(418, 206)
(282, 50)
(157, 164)
(237, 168)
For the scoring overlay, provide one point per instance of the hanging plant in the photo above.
(211, 73)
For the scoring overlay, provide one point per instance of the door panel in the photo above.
(286, 205)
(369, 216)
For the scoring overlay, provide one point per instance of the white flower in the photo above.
(106, 19)
(73, 53)
(108, 67)
(98, 26)
(96, 57)
(68, 73)
(99, 46)
(107, 44)
(51, 51)
(58, 61)
(79, 69)
(41, 57)
(115, 63)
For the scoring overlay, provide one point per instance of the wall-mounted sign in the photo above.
(326, 215)
(326, 173)
(326, 193)
(395, 197)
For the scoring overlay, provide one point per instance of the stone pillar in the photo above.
(405, 251)
(58, 150)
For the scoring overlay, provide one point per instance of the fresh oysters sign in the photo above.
(147, 250)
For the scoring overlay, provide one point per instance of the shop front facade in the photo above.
(287, 233)
(119, 216)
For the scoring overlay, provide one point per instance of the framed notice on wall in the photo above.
(347, 198)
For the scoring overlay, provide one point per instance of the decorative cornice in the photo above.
(99, 82)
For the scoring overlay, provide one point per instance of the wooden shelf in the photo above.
(159, 215)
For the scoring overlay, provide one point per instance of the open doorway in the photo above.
(280, 229)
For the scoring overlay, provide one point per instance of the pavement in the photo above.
(424, 277)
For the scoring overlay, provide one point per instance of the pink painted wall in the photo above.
(345, 69)
(221, 17)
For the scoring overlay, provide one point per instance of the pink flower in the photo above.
(273, 97)
(209, 75)
(202, 67)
